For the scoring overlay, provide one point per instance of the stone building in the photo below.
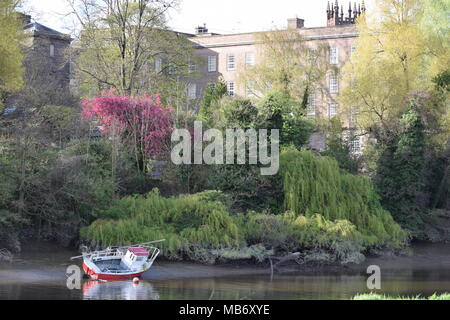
(47, 71)
(225, 55)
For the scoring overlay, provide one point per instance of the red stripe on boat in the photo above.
(103, 276)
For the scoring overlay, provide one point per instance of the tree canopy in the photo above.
(11, 69)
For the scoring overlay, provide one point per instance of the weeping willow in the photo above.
(315, 185)
(186, 222)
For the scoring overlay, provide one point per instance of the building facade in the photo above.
(47, 71)
(225, 56)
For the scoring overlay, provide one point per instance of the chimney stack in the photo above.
(201, 29)
(296, 23)
(335, 13)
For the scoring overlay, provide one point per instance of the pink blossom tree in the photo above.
(142, 123)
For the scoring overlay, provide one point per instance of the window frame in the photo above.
(192, 90)
(212, 61)
(252, 61)
(158, 65)
(334, 55)
(311, 107)
(231, 66)
(334, 83)
(232, 92)
(335, 106)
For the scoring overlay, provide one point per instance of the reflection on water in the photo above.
(119, 290)
(41, 276)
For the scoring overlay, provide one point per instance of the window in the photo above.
(212, 63)
(249, 59)
(311, 108)
(312, 56)
(52, 50)
(355, 145)
(192, 91)
(334, 83)
(231, 62)
(353, 49)
(158, 65)
(334, 58)
(230, 88)
(332, 110)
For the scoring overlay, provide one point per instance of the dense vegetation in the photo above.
(315, 185)
(374, 296)
(336, 222)
(92, 166)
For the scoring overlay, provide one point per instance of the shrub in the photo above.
(315, 185)
(187, 223)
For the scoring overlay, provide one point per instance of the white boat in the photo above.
(120, 263)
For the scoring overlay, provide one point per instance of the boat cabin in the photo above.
(135, 257)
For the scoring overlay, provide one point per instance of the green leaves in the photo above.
(314, 185)
(11, 58)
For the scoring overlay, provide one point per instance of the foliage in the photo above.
(337, 147)
(187, 223)
(376, 296)
(287, 64)
(314, 185)
(392, 60)
(122, 44)
(434, 23)
(141, 122)
(278, 111)
(214, 92)
(400, 179)
(11, 58)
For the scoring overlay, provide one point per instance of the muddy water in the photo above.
(39, 273)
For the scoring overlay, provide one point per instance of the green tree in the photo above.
(337, 146)
(127, 45)
(213, 93)
(400, 176)
(286, 64)
(11, 34)
(391, 61)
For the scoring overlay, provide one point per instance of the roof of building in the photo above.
(43, 30)
(140, 252)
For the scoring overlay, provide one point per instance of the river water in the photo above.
(39, 273)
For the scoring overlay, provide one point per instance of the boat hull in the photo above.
(110, 276)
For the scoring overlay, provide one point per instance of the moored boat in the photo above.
(120, 263)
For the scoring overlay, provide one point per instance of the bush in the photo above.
(319, 240)
(187, 223)
(315, 185)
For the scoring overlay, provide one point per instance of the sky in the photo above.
(221, 16)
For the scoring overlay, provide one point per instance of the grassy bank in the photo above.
(374, 296)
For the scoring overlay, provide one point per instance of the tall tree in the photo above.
(126, 45)
(390, 62)
(11, 69)
(288, 64)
